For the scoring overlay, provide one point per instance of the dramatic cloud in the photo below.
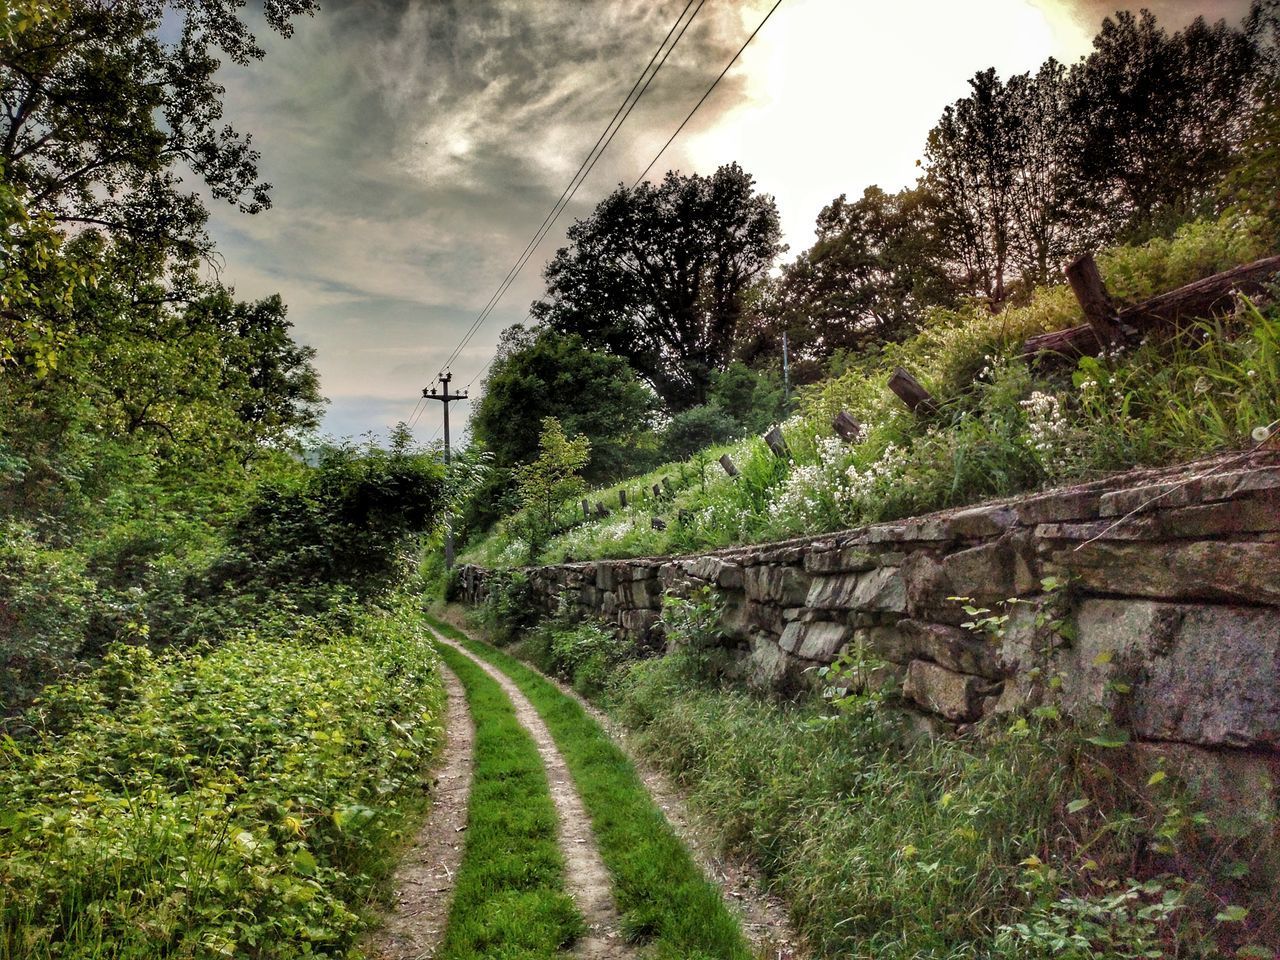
(415, 145)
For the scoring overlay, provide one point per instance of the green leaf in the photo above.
(1158, 777)
(1075, 806)
(1110, 740)
(1232, 914)
(304, 863)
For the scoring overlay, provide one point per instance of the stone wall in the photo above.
(1170, 620)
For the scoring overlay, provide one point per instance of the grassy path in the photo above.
(664, 899)
(509, 900)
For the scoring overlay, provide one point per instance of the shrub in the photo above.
(243, 801)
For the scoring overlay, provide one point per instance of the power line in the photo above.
(620, 116)
(673, 136)
(714, 84)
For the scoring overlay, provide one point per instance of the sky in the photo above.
(414, 146)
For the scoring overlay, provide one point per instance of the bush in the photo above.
(695, 428)
(238, 802)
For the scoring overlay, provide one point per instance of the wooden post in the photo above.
(910, 392)
(847, 426)
(622, 499)
(586, 510)
(657, 492)
(776, 442)
(666, 485)
(658, 523)
(601, 510)
(729, 467)
(1086, 283)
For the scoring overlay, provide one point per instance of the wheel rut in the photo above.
(587, 879)
(423, 882)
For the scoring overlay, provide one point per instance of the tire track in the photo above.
(423, 882)
(587, 879)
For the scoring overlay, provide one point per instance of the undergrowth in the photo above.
(509, 900)
(664, 900)
(243, 801)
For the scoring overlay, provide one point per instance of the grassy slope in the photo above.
(1151, 405)
(509, 900)
(661, 893)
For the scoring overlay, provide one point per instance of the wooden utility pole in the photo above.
(445, 398)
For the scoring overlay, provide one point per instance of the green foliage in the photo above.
(550, 481)
(660, 274)
(346, 525)
(104, 108)
(691, 430)
(541, 374)
(243, 801)
(1010, 845)
(1004, 426)
(509, 898)
(587, 655)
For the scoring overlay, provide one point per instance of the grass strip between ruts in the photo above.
(509, 900)
(662, 895)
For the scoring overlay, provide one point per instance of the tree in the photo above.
(541, 373)
(102, 114)
(658, 275)
(1163, 116)
(874, 268)
(550, 481)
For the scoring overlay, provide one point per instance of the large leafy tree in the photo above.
(1164, 115)
(875, 266)
(542, 373)
(105, 105)
(659, 275)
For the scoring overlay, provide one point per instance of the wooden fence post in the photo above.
(910, 392)
(622, 499)
(847, 426)
(777, 442)
(658, 523)
(586, 510)
(729, 467)
(1101, 314)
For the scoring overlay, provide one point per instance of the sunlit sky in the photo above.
(415, 146)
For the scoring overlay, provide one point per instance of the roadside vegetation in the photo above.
(1031, 838)
(509, 898)
(244, 800)
(1004, 425)
(666, 903)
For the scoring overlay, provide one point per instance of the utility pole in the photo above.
(445, 398)
(786, 375)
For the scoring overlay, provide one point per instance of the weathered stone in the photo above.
(769, 669)
(1239, 790)
(1200, 674)
(1178, 493)
(982, 522)
(638, 622)
(785, 586)
(820, 640)
(606, 576)
(843, 560)
(955, 696)
(960, 650)
(1058, 506)
(716, 570)
(883, 589)
(640, 593)
(1205, 570)
(992, 571)
(832, 593)
(764, 616)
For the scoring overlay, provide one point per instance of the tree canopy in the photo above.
(541, 373)
(659, 275)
